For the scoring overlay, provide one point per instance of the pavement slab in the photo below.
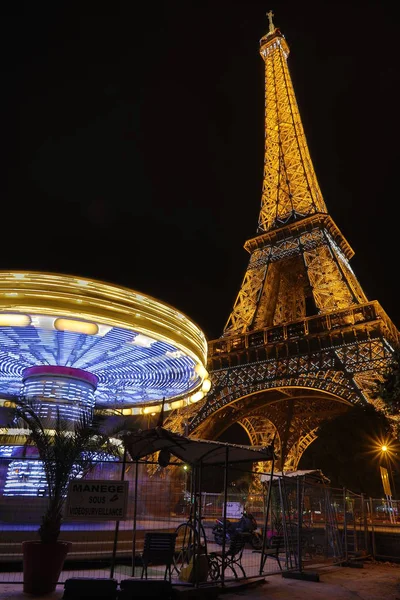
(375, 581)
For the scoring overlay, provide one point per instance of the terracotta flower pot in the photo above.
(42, 565)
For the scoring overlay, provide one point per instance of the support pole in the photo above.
(224, 516)
(364, 521)
(299, 524)
(372, 528)
(195, 517)
(265, 538)
(135, 519)
(196, 561)
(346, 553)
(114, 551)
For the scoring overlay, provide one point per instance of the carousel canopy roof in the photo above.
(141, 350)
(190, 450)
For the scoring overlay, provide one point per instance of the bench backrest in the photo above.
(159, 547)
(276, 542)
(237, 544)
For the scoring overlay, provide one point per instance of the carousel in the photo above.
(74, 346)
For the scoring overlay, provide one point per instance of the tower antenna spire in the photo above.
(270, 14)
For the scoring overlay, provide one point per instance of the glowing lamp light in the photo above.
(84, 327)
(177, 404)
(197, 396)
(384, 448)
(152, 410)
(14, 320)
(206, 387)
(201, 371)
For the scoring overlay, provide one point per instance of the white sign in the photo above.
(97, 499)
(234, 510)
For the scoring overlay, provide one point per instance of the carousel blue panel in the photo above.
(26, 476)
(131, 368)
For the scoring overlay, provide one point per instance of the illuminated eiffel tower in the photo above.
(302, 342)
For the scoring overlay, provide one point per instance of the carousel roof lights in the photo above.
(141, 350)
(76, 326)
(14, 320)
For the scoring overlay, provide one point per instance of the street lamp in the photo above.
(385, 449)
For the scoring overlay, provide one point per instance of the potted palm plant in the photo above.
(65, 455)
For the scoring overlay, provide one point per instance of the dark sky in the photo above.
(132, 140)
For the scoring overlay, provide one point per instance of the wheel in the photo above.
(186, 539)
(256, 541)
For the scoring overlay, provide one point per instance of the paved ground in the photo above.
(376, 581)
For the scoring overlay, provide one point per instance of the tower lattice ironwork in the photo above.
(302, 342)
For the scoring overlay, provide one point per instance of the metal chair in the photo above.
(158, 549)
(232, 559)
(276, 545)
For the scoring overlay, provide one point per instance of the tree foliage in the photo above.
(65, 455)
(389, 389)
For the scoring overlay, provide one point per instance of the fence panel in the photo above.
(317, 524)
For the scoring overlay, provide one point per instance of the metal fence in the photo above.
(318, 524)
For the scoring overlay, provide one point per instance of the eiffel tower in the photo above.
(302, 342)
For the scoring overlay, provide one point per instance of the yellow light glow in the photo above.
(206, 387)
(197, 396)
(126, 411)
(14, 320)
(177, 404)
(201, 371)
(384, 448)
(76, 326)
(7, 404)
(152, 410)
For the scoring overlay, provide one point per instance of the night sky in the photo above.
(132, 140)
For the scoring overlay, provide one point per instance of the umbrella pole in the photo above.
(134, 520)
(265, 539)
(114, 551)
(225, 503)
